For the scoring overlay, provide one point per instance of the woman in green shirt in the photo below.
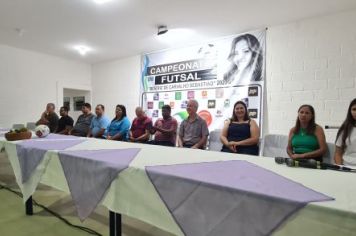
(306, 139)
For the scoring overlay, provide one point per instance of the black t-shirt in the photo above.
(63, 122)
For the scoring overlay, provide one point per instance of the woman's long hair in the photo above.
(257, 58)
(234, 117)
(123, 109)
(347, 126)
(311, 125)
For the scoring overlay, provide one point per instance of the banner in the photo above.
(216, 74)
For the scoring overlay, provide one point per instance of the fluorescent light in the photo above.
(102, 1)
(82, 49)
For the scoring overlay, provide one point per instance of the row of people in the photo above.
(240, 133)
(307, 139)
(120, 128)
(194, 131)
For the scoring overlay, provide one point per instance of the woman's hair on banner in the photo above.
(246, 60)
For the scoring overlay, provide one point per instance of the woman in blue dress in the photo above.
(119, 126)
(240, 133)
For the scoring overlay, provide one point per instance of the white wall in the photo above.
(312, 61)
(29, 80)
(117, 82)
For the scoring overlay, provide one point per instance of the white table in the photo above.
(130, 192)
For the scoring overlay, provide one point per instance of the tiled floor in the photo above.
(14, 222)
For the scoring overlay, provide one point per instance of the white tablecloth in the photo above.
(133, 194)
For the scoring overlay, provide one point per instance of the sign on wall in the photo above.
(216, 74)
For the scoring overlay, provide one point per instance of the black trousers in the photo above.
(161, 143)
(190, 146)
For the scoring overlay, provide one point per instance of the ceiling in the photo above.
(128, 27)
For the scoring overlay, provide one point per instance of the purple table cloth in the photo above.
(89, 174)
(228, 198)
(31, 152)
(59, 136)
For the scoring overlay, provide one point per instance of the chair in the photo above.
(18, 126)
(214, 140)
(274, 145)
(31, 125)
(329, 155)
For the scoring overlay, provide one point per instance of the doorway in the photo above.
(74, 99)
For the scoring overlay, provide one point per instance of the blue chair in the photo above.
(329, 155)
(274, 145)
(214, 140)
(18, 126)
(31, 125)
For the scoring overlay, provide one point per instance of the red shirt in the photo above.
(168, 124)
(139, 126)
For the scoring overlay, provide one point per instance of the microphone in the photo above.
(338, 167)
(280, 160)
(331, 127)
(312, 164)
(306, 164)
(283, 160)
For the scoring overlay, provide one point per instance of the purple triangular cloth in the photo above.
(89, 174)
(60, 136)
(31, 152)
(228, 198)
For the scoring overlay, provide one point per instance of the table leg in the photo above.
(118, 224)
(29, 206)
(115, 224)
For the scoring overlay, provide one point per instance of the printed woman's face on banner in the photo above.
(216, 74)
(245, 61)
(243, 55)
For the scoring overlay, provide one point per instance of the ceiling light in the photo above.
(102, 1)
(162, 29)
(82, 49)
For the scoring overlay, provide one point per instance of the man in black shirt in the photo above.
(65, 123)
(49, 118)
